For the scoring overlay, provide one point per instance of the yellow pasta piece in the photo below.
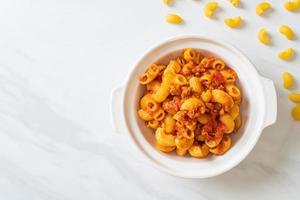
(180, 80)
(237, 122)
(189, 54)
(169, 124)
(233, 91)
(287, 32)
(198, 151)
(191, 103)
(206, 78)
(235, 111)
(162, 92)
(292, 5)
(262, 7)
(164, 139)
(206, 96)
(222, 147)
(229, 75)
(218, 64)
(159, 114)
(209, 8)
(223, 98)
(235, 3)
(148, 104)
(227, 120)
(165, 149)
(296, 112)
(184, 143)
(295, 97)
(288, 80)
(263, 36)
(181, 152)
(189, 133)
(167, 2)
(144, 115)
(153, 124)
(233, 22)
(173, 64)
(173, 19)
(213, 143)
(153, 85)
(195, 84)
(150, 74)
(286, 54)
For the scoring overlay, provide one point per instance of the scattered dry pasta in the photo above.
(296, 112)
(286, 54)
(263, 36)
(209, 8)
(235, 3)
(192, 104)
(233, 22)
(167, 2)
(288, 80)
(262, 7)
(292, 5)
(173, 19)
(294, 97)
(287, 32)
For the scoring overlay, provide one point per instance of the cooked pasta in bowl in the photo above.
(194, 106)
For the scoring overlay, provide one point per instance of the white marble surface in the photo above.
(59, 62)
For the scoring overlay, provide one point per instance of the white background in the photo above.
(61, 59)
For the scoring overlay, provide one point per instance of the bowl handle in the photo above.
(271, 102)
(116, 107)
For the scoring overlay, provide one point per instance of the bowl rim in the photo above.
(138, 145)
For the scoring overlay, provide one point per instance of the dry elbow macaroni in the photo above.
(296, 112)
(233, 22)
(167, 2)
(192, 104)
(263, 36)
(288, 80)
(294, 97)
(209, 8)
(286, 54)
(173, 19)
(262, 7)
(287, 32)
(292, 5)
(235, 3)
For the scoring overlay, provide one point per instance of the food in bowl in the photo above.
(192, 104)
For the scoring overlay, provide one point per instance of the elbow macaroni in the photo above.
(287, 32)
(191, 113)
(296, 113)
(288, 80)
(210, 8)
(233, 22)
(195, 84)
(263, 36)
(292, 5)
(167, 2)
(224, 146)
(262, 7)
(235, 3)
(173, 19)
(286, 54)
(294, 97)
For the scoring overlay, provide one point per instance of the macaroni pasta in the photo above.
(192, 104)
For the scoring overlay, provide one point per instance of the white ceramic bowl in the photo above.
(258, 110)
